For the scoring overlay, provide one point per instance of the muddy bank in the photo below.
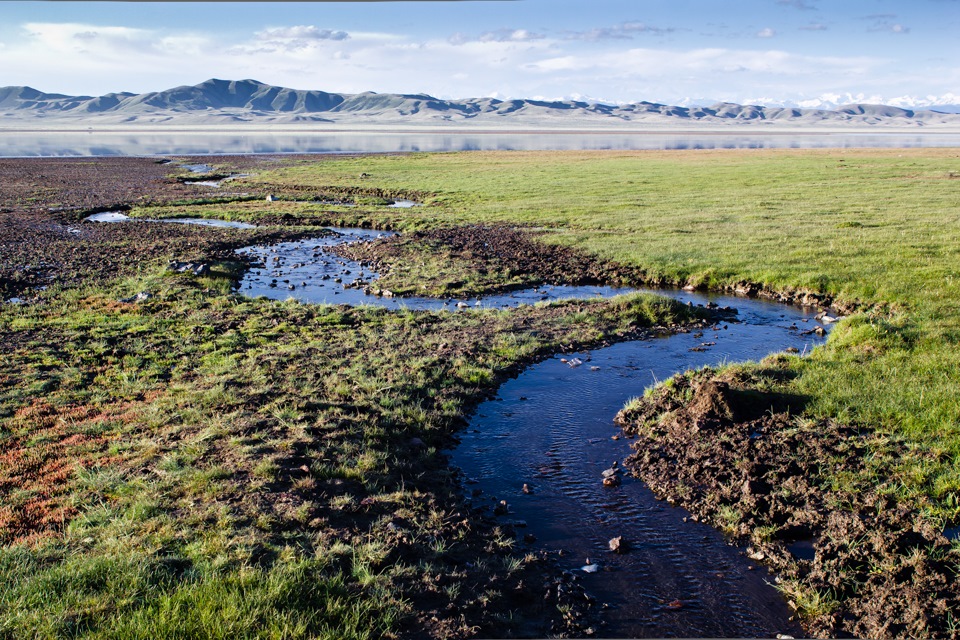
(475, 259)
(851, 560)
(36, 251)
(44, 241)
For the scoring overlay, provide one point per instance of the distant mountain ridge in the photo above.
(236, 101)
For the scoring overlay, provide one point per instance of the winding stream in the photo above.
(552, 429)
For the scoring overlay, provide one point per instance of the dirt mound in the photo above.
(851, 559)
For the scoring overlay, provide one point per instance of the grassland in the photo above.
(202, 464)
(198, 464)
(876, 228)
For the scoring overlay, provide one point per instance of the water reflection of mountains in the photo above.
(96, 143)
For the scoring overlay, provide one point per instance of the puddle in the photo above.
(803, 550)
(216, 184)
(108, 216)
(116, 216)
(404, 204)
(208, 222)
(197, 168)
(551, 428)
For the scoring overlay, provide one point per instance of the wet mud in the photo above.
(850, 559)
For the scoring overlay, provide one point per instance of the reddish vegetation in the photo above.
(38, 464)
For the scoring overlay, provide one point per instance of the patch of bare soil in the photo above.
(850, 559)
(488, 259)
(44, 241)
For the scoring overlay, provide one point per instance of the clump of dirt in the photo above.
(850, 559)
(474, 259)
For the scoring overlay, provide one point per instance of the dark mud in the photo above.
(44, 241)
(484, 259)
(851, 560)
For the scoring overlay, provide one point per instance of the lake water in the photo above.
(95, 143)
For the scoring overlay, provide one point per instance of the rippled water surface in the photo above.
(552, 428)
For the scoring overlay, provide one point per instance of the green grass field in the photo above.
(876, 227)
(203, 465)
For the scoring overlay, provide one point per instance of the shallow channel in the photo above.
(302, 270)
(552, 428)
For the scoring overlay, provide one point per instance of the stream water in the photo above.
(552, 429)
(303, 270)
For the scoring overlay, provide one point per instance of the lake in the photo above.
(150, 143)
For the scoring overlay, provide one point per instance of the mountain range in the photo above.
(216, 102)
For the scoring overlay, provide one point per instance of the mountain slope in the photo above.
(249, 101)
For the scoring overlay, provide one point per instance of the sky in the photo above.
(796, 52)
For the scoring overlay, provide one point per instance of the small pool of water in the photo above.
(116, 216)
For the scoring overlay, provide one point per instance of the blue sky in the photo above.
(760, 51)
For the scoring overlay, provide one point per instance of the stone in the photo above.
(618, 545)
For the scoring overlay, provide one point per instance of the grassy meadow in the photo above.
(201, 464)
(879, 228)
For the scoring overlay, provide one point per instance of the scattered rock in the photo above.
(196, 268)
(618, 545)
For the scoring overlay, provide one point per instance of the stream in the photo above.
(552, 429)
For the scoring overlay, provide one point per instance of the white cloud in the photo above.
(766, 33)
(86, 58)
(301, 32)
(622, 31)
